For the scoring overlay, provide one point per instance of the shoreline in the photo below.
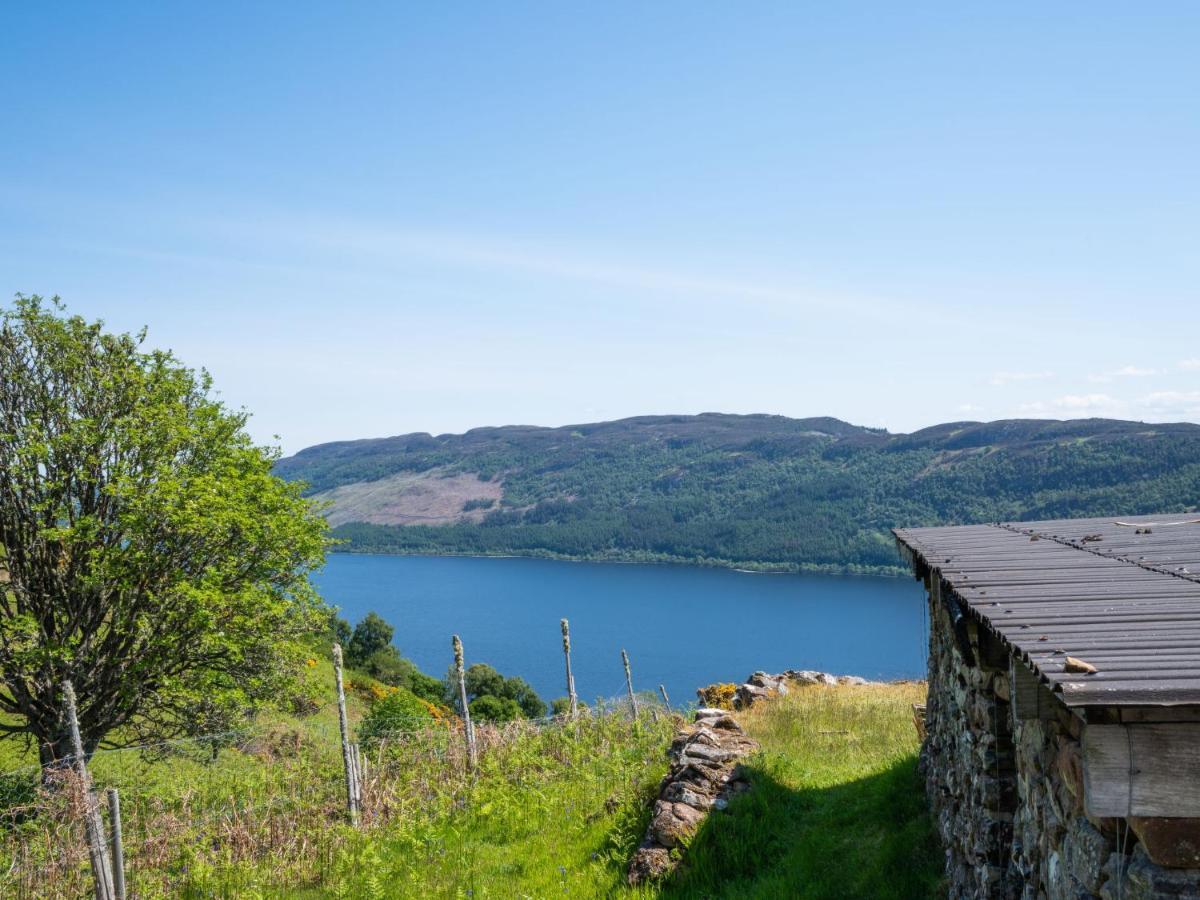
(739, 567)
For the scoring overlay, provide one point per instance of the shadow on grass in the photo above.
(870, 838)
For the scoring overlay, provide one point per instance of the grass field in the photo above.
(836, 811)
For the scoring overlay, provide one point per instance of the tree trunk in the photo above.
(54, 756)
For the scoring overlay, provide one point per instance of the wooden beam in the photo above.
(1136, 714)
(1142, 769)
(1030, 698)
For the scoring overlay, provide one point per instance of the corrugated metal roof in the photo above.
(1120, 593)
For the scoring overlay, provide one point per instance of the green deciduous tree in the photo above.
(370, 636)
(483, 681)
(151, 556)
(489, 708)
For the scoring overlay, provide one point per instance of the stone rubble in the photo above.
(761, 686)
(705, 772)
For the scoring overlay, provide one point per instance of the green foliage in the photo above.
(764, 492)
(388, 666)
(523, 694)
(482, 681)
(339, 630)
(560, 706)
(371, 635)
(153, 558)
(382, 660)
(370, 651)
(490, 708)
(400, 711)
(426, 686)
(514, 696)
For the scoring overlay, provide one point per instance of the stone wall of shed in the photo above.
(1007, 793)
(967, 761)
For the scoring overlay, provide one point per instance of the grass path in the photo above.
(836, 809)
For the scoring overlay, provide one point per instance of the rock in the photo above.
(680, 792)
(759, 686)
(726, 723)
(673, 823)
(1143, 880)
(1074, 664)
(801, 676)
(1068, 763)
(709, 712)
(810, 676)
(701, 753)
(1085, 852)
(649, 864)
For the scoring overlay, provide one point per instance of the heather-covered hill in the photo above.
(754, 491)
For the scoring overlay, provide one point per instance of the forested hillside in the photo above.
(763, 492)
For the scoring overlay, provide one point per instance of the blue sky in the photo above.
(368, 219)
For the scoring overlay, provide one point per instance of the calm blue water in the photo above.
(683, 627)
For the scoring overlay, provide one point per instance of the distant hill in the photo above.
(756, 491)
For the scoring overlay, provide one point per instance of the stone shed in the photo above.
(1062, 747)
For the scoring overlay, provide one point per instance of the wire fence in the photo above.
(266, 791)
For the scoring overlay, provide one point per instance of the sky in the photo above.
(374, 218)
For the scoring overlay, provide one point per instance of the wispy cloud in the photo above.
(1085, 401)
(1075, 405)
(1190, 365)
(1157, 406)
(1183, 405)
(1124, 372)
(393, 245)
(1002, 378)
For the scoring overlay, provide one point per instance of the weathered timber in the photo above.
(1030, 698)
(1150, 769)
(93, 824)
(344, 727)
(572, 700)
(633, 706)
(460, 670)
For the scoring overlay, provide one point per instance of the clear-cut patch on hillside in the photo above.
(433, 497)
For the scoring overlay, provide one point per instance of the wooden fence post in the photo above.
(93, 825)
(347, 756)
(629, 683)
(666, 700)
(360, 770)
(468, 728)
(118, 846)
(356, 758)
(574, 701)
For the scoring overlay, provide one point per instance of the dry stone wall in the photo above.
(704, 773)
(1007, 792)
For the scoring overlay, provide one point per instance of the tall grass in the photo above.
(549, 808)
(836, 811)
